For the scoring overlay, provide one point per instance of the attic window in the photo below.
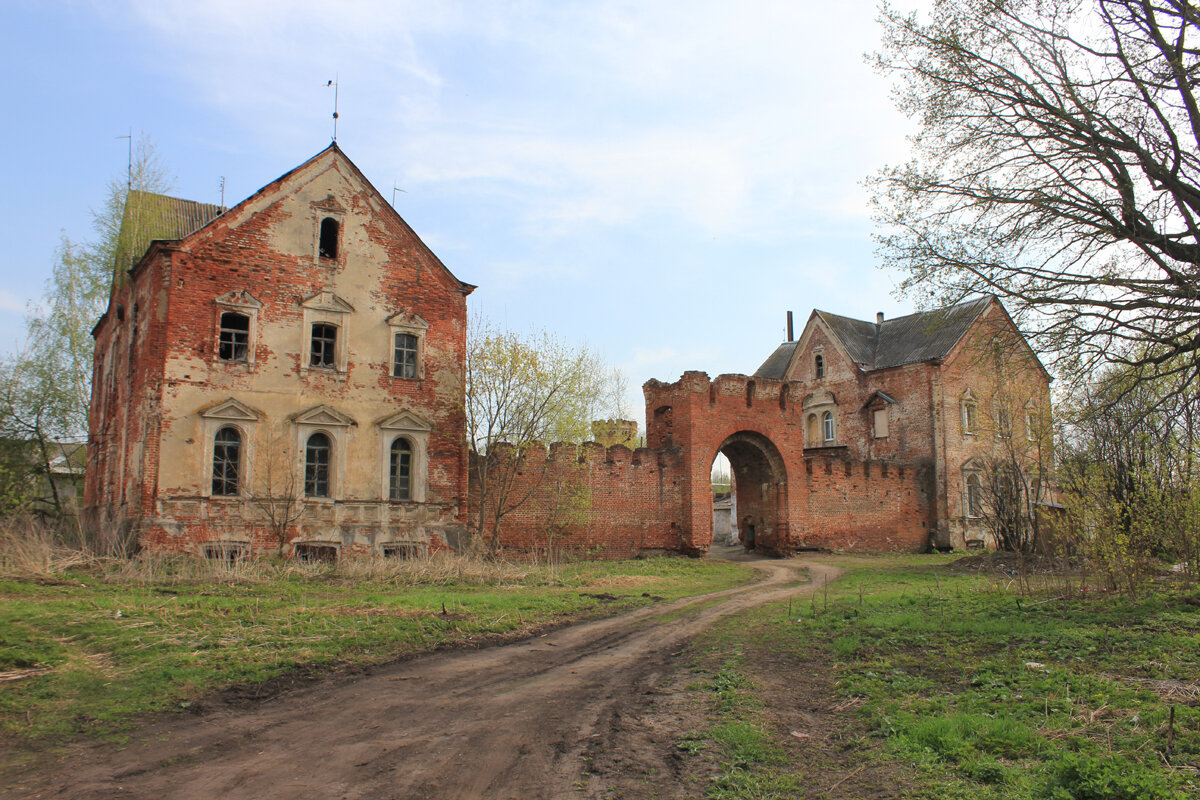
(328, 247)
(819, 362)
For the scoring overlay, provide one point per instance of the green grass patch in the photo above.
(993, 695)
(98, 646)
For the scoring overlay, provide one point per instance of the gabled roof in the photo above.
(924, 336)
(149, 216)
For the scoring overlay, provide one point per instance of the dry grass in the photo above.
(33, 550)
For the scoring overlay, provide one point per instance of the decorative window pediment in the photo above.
(405, 421)
(239, 298)
(821, 397)
(330, 203)
(231, 410)
(880, 400)
(324, 416)
(326, 301)
(409, 321)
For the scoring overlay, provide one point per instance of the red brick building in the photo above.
(879, 436)
(286, 375)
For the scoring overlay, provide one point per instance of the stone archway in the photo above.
(760, 490)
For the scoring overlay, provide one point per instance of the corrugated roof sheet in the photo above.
(776, 363)
(923, 336)
(150, 216)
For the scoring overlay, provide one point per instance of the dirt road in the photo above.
(524, 721)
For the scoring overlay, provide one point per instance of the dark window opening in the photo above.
(324, 342)
(820, 364)
(404, 361)
(328, 247)
(316, 466)
(316, 553)
(974, 496)
(234, 341)
(227, 554)
(403, 550)
(400, 471)
(227, 454)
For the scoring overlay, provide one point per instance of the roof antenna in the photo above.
(334, 84)
(222, 192)
(395, 189)
(129, 169)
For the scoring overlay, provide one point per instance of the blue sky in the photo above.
(661, 181)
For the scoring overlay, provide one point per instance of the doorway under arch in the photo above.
(759, 491)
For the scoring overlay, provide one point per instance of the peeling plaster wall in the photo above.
(150, 427)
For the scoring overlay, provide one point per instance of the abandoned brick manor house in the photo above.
(287, 375)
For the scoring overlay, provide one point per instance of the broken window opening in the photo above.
(328, 246)
(404, 360)
(820, 365)
(316, 466)
(227, 454)
(324, 345)
(974, 496)
(234, 339)
(316, 553)
(226, 553)
(404, 550)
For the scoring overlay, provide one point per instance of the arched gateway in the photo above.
(793, 489)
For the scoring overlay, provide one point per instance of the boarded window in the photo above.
(227, 456)
(316, 466)
(328, 247)
(881, 423)
(234, 341)
(324, 345)
(400, 471)
(404, 358)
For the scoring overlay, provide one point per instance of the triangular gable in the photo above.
(323, 415)
(994, 304)
(239, 298)
(879, 400)
(326, 301)
(236, 215)
(815, 321)
(404, 421)
(231, 410)
(403, 320)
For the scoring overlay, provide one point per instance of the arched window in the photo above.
(974, 496)
(324, 346)
(970, 414)
(227, 458)
(234, 343)
(812, 432)
(316, 466)
(328, 247)
(819, 366)
(400, 470)
(827, 426)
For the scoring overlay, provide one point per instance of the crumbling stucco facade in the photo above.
(285, 375)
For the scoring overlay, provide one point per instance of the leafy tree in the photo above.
(45, 389)
(523, 390)
(1055, 165)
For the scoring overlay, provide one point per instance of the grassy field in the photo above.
(941, 684)
(84, 649)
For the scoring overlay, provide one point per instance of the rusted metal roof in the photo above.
(924, 336)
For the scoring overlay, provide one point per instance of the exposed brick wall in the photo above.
(591, 500)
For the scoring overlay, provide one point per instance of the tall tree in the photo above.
(522, 390)
(1055, 165)
(45, 389)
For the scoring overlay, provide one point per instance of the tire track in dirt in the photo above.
(513, 721)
